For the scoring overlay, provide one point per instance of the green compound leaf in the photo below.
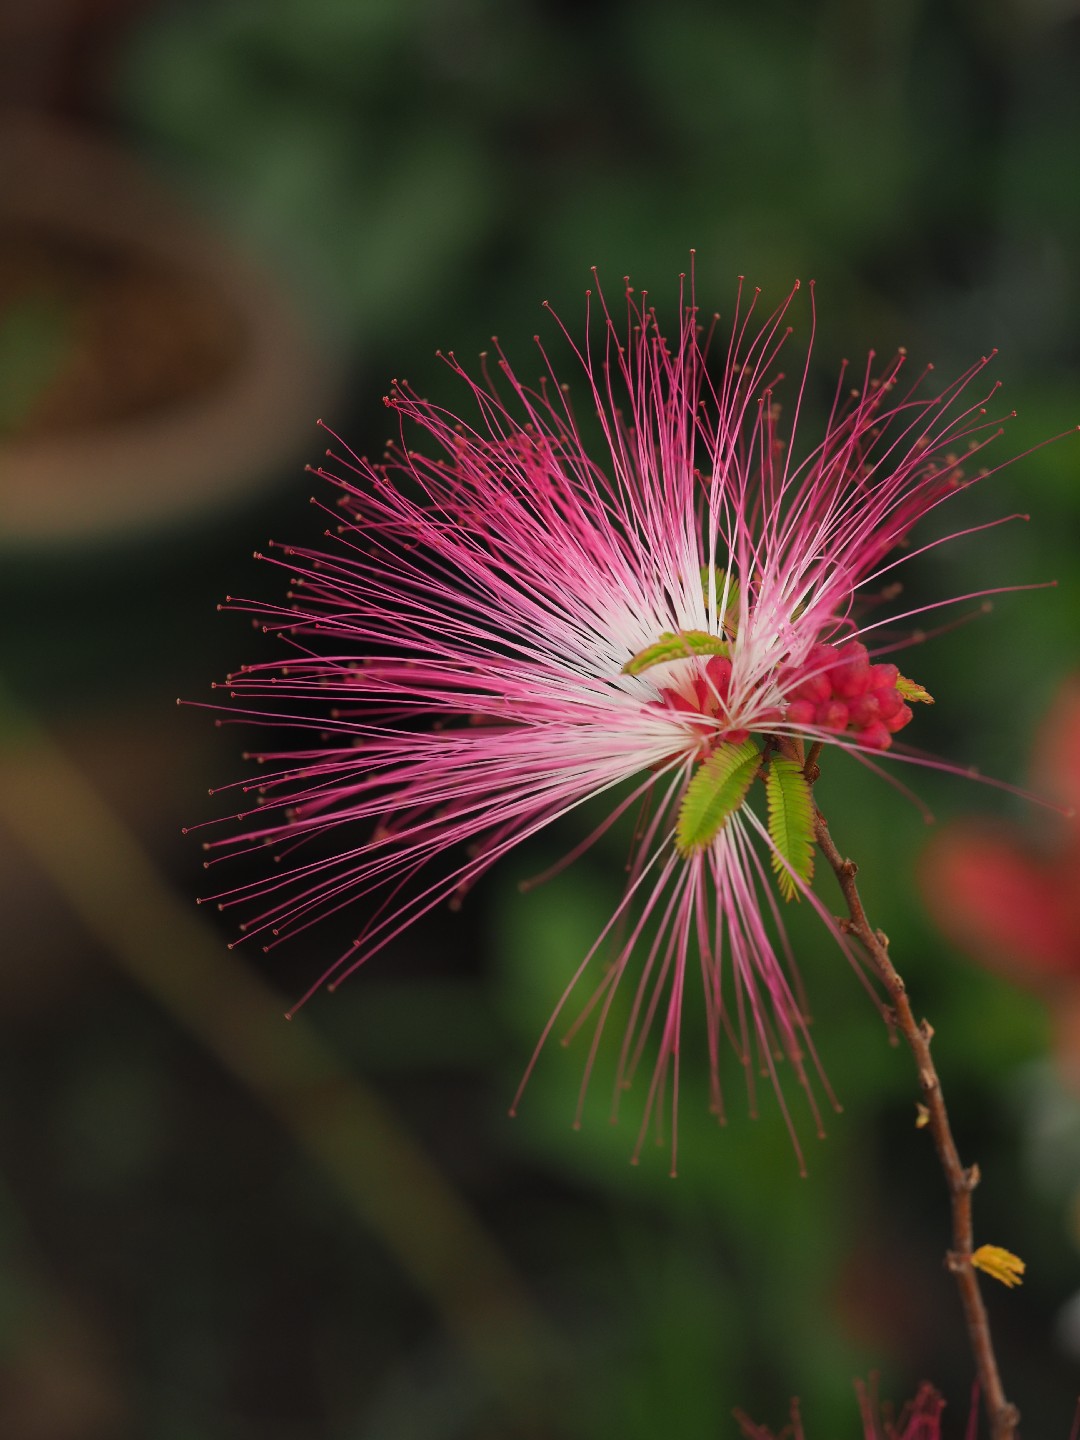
(672, 646)
(912, 690)
(715, 793)
(791, 824)
(713, 575)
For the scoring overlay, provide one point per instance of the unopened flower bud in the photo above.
(851, 673)
(888, 702)
(883, 677)
(900, 719)
(815, 688)
(874, 737)
(801, 712)
(864, 709)
(832, 715)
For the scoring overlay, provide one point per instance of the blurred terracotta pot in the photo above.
(174, 375)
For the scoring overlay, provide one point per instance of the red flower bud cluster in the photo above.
(840, 691)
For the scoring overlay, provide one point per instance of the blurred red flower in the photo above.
(1012, 901)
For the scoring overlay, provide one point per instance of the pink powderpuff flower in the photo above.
(655, 600)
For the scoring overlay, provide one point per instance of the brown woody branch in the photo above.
(1003, 1416)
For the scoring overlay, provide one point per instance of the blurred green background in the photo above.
(217, 1225)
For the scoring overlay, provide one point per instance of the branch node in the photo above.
(927, 1030)
(849, 869)
(928, 1080)
(811, 769)
(956, 1263)
(972, 1176)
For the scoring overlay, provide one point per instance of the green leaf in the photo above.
(791, 824)
(912, 690)
(676, 646)
(713, 576)
(715, 793)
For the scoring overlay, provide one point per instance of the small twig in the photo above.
(1003, 1416)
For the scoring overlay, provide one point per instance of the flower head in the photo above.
(645, 586)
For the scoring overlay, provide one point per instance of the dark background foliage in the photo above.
(217, 1225)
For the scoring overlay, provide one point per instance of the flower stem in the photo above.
(1003, 1416)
